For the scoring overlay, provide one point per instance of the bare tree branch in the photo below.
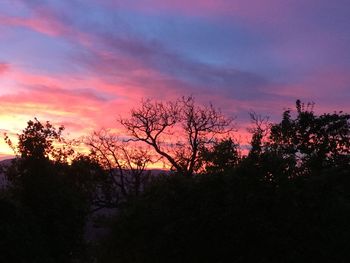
(177, 130)
(124, 163)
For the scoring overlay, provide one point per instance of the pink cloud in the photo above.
(65, 99)
(4, 67)
(51, 28)
(62, 98)
(45, 22)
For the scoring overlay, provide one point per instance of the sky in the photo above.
(85, 63)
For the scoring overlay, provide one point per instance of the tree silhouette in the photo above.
(41, 180)
(275, 205)
(310, 143)
(37, 142)
(222, 157)
(177, 130)
(125, 164)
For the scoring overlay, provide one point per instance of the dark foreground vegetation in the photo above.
(288, 200)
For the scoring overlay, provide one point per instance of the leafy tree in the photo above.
(41, 141)
(42, 182)
(301, 146)
(222, 157)
(310, 143)
(177, 130)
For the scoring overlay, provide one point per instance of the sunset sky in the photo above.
(83, 63)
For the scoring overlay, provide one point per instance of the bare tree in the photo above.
(125, 164)
(259, 130)
(177, 130)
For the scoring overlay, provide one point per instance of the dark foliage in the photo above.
(21, 239)
(287, 201)
(222, 157)
(310, 143)
(235, 218)
(50, 197)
